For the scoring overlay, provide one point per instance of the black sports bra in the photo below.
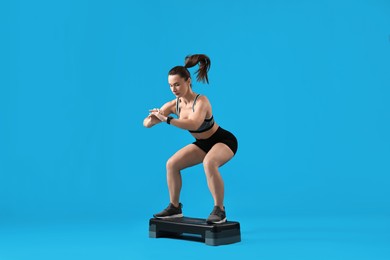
(207, 124)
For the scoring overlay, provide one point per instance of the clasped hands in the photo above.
(158, 114)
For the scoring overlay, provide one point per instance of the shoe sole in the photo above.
(217, 222)
(172, 216)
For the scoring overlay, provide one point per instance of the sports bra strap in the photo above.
(193, 105)
(177, 107)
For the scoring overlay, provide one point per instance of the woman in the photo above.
(213, 145)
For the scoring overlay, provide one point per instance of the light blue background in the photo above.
(304, 85)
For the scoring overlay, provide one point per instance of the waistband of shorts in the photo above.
(219, 129)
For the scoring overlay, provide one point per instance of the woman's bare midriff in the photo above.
(206, 134)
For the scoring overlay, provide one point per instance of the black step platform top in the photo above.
(212, 234)
(199, 223)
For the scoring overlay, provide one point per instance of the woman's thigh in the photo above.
(219, 154)
(188, 156)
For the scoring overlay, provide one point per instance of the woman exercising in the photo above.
(213, 145)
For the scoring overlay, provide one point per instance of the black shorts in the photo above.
(220, 136)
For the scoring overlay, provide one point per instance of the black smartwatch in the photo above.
(169, 118)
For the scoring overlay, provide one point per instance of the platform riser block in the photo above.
(210, 234)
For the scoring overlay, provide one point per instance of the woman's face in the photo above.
(179, 86)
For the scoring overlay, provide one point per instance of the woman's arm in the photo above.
(150, 121)
(194, 121)
(166, 109)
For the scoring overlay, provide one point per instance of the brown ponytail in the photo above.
(204, 66)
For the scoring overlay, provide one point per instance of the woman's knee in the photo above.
(172, 164)
(210, 165)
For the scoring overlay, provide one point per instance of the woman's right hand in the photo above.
(151, 119)
(156, 113)
(159, 114)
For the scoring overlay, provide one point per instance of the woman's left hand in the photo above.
(157, 113)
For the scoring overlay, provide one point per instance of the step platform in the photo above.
(196, 229)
